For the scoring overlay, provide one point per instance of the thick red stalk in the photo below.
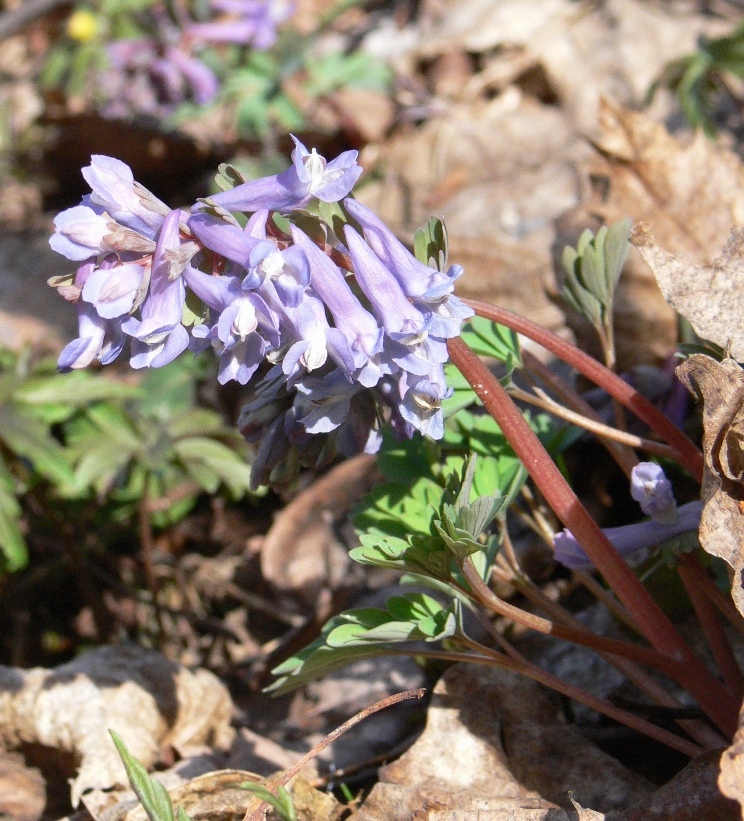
(689, 456)
(657, 628)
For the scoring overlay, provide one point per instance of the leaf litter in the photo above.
(502, 154)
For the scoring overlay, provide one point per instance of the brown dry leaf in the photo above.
(493, 742)
(499, 172)
(692, 795)
(150, 701)
(301, 552)
(720, 385)
(731, 778)
(22, 790)
(708, 296)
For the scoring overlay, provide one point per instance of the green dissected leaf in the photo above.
(200, 451)
(430, 244)
(75, 389)
(369, 632)
(593, 269)
(337, 70)
(286, 114)
(169, 390)
(195, 422)
(406, 460)
(13, 552)
(29, 438)
(398, 510)
(490, 339)
(152, 794)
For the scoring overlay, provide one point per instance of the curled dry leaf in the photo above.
(301, 553)
(731, 778)
(708, 296)
(720, 385)
(150, 701)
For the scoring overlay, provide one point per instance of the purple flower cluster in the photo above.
(333, 334)
(154, 74)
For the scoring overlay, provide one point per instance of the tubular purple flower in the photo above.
(429, 289)
(159, 336)
(288, 271)
(200, 78)
(394, 311)
(310, 175)
(227, 240)
(630, 538)
(98, 338)
(316, 341)
(113, 290)
(80, 233)
(128, 202)
(652, 490)
(364, 336)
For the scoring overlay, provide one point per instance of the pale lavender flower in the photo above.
(328, 355)
(428, 289)
(126, 201)
(159, 337)
(98, 338)
(113, 290)
(250, 22)
(80, 233)
(629, 539)
(652, 490)
(310, 175)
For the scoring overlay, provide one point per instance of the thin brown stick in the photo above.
(717, 596)
(257, 813)
(544, 402)
(643, 655)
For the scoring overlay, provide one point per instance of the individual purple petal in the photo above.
(80, 233)
(288, 270)
(113, 290)
(629, 538)
(322, 404)
(652, 490)
(422, 402)
(280, 192)
(147, 354)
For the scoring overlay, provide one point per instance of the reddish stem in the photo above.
(689, 455)
(708, 616)
(657, 628)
